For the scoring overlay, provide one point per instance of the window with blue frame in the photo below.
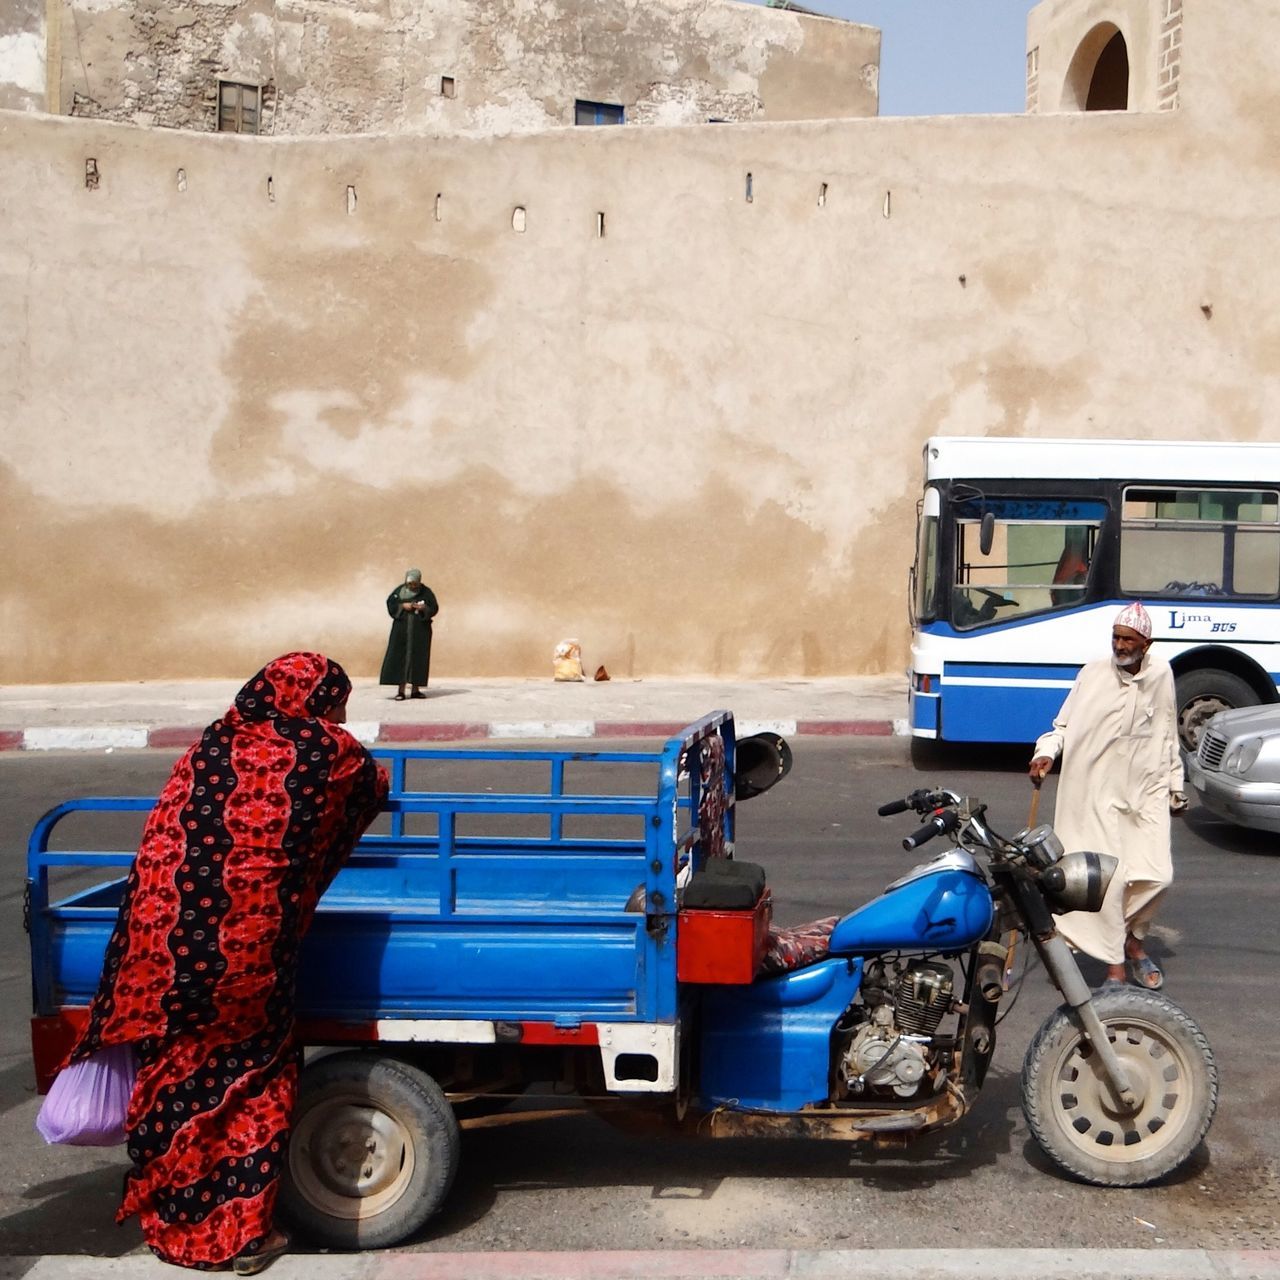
(585, 112)
(1040, 558)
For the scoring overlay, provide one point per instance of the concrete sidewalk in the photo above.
(712, 1264)
(170, 714)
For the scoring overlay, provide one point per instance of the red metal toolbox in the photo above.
(722, 947)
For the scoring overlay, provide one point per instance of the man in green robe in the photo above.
(408, 659)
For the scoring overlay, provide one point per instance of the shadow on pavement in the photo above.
(583, 1152)
(1000, 757)
(77, 1212)
(1226, 836)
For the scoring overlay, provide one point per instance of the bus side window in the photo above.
(1200, 542)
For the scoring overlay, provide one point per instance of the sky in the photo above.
(944, 57)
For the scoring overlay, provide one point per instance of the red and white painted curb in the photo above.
(126, 737)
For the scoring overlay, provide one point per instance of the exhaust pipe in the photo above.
(989, 978)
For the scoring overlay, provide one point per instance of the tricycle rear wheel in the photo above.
(373, 1152)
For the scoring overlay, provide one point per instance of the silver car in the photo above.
(1236, 768)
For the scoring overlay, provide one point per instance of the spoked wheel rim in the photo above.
(350, 1158)
(1160, 1073)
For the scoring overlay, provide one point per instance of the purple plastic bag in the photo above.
(87, 1104)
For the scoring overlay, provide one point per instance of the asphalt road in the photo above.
(576, 1183)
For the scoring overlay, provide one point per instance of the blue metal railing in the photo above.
(662, 812)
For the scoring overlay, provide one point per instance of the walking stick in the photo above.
(1013, 937)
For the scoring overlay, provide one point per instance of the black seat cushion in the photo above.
(725, 885)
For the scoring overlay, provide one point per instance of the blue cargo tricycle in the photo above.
(483, 943)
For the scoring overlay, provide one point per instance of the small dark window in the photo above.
(239, 107)
(447, 88)
(1109, 88)
(597, 112)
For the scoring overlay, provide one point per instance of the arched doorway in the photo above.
(1098, 78)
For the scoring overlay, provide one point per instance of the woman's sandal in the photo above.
(397, 697)
(250, 1264)
(1145, 972)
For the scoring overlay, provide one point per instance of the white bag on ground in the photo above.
(567, 661)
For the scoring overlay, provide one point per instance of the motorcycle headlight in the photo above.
(1240, 759)
(1078, 881)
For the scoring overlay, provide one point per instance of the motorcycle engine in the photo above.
(922, 996)
(889, 1051)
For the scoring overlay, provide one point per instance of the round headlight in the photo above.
(1241, 759)
(1079, 881)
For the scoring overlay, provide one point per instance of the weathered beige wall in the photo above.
(375, 66)
(231, 421)
(23, 41)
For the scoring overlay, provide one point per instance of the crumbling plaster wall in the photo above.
(235, 411)
(22, 55)
(377, 66)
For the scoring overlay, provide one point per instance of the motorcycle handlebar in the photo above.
(922, 801)
(945, 820)
(894, 806)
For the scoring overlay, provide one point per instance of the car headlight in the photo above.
(1240, 759)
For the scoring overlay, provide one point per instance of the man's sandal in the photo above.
(1145, 972)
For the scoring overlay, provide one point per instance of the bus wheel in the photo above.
(1201, 695)
(373, 1152)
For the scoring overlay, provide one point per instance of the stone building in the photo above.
(662, 389)
(432, 66)
(1104, 55)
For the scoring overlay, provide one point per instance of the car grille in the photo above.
(1212, 749)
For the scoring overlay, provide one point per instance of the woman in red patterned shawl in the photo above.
(253, 824)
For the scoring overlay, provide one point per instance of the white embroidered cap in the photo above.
(1136, 618)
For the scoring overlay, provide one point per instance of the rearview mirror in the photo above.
(986, 533)
(761, 760)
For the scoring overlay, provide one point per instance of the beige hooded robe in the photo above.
(1118, 738)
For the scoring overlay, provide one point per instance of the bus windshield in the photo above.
(1039, 559)
(924, 592)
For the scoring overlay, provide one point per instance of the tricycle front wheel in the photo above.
(373, 1152)
(1169, 1065)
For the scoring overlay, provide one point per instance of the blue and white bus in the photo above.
(1026, 549)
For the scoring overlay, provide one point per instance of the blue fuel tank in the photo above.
(942, 906)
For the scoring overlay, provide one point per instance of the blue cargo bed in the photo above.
(446, 926)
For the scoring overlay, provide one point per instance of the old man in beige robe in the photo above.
(1122, 777)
